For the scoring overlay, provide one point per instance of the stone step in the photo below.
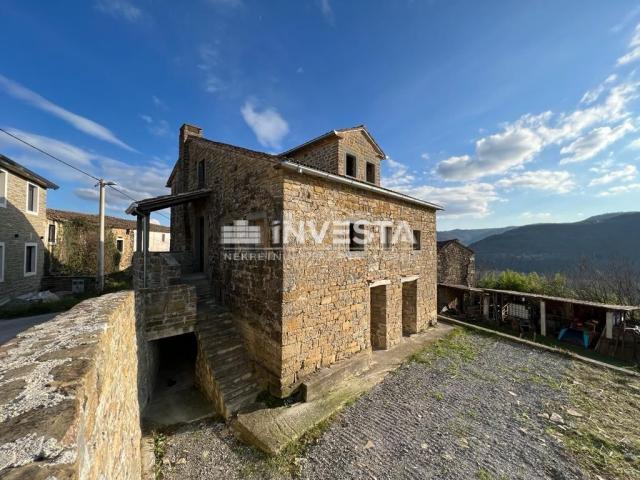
(222, 346)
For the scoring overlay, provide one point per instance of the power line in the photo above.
(44, 152)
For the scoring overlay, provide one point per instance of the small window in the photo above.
(4, 179)
(120, 244)
(351, 165)
(387, 235)
(201, 174)
(163, 238)
(371, 172)
(32, 198)
(30, 259)
(416, 240)
(356, 237)
(52, 233)
(1, 261)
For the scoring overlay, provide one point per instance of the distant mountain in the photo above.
(559, 247)
(467, 237)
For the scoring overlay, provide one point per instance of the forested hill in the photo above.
(559, 247)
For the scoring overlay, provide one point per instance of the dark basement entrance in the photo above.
(175, 398)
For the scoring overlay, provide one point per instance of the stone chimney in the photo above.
(187, 131)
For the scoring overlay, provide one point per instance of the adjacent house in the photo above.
(23, 225)
(318, 262)
(120, 235)
(456, 263)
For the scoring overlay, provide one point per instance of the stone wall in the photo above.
(162, 270)
(17, 228)
(245, 186)
(71, 391)
(167, 311)
(456, 264)
(326, 298)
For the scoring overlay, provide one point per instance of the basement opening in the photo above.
(410, 307)
(176, 398)
(378, 312)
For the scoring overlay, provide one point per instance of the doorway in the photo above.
(378, 317)
(175, 398)
(410, 307)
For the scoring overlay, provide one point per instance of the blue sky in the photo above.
(506, 112)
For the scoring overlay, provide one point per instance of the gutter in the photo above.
(301, 169)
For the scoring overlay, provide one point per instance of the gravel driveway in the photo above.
(472, 406)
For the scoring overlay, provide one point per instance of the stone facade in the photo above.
(71, 394)
(303, 306)
(20, 228)
(120, 231)
(456, 264)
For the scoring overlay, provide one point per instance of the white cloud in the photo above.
(473, 199)
(634, 49)
(624, 173)
(80, 123)
(137, 180)
(621, 189)
(120, 8)
(536, 215)
(546, 180)
(521, 141)
(592, 95)
(594, 142)
(268, 125)
(425, 156)
(209, 62)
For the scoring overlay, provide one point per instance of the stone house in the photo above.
(23, 206)
(456, 263)
(120, 231)
(248, 221)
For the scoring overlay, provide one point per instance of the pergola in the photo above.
(143, 209)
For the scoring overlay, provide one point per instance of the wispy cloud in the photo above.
(619, 173)
(594, 142)
(157, 127)
(620, 190)
(159, 103)
(545, 180)
(521, 141)
(139, 181)
(120, 9)
(209, 59)
(536, 215)
(327, 11)
(268, 125)
(81, 123)
(633, 53)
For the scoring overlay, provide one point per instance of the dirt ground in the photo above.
(469, 406)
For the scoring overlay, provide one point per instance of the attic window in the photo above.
(371, 172)
(351, 165)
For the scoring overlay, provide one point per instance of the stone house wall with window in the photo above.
(22, 230)
(310, 306)
(456, 263)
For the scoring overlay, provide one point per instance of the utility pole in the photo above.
(102, 184)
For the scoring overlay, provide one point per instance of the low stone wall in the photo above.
(70, 396)
(167, 311)
(162, 270)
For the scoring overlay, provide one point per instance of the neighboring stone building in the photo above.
(300, 304)
(118, 230)
(23, 224)
(456, 263)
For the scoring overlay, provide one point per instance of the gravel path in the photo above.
(477, 408)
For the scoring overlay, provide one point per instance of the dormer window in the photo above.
(351, 165)
(371, 172)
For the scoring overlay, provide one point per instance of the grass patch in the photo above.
(606, 439)
(159, 449)
(456, 348)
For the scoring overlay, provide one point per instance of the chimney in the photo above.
(187, 131)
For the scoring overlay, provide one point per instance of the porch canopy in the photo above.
(143, 209)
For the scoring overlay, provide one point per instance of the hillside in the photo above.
(559, 247)
(469, 236)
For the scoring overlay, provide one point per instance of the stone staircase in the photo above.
(223, 367)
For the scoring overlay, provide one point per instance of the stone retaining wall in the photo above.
(167, 311)
(71, 391)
